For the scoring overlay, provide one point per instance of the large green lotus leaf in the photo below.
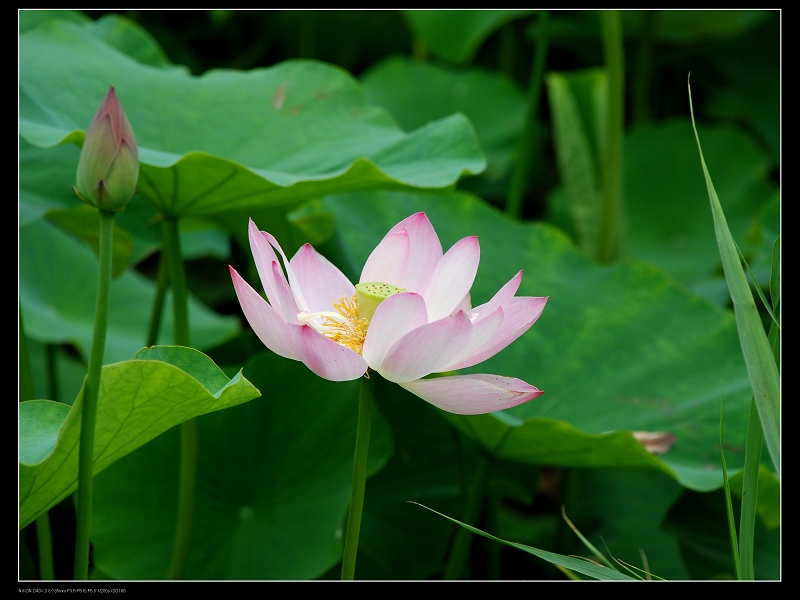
(417, 93)
(669, 223)
(46, 178)
(234, 140)
(457, 34)
(700, 523)
(618, 349)
(274, 480)
(68, 372)
(621, 512)
(115, 30)
(84, 222)
(139, 399)
(45, 190)
(30, 19)
(58, 289)
(39, 422)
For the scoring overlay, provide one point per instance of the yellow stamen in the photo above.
(351, 331)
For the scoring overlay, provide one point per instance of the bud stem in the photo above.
(91, 392)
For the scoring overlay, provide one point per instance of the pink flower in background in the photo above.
(409, 316)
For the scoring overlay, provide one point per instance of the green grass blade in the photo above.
(775, 277)
(648, 576)
(582, 566)
(774, 336)
(622, 563)
(600, 556)
(728, 503)
(747, 522)
(758, 356)
(569, 574)
(752, 453)
(758, 288)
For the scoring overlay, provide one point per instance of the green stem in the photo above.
(641, 86)
(26, 389)
(614, 53)
(52, 372)
(171, 243)
(507, 50)
(45, 541)
(728, 503)
(186, 500)
(162, 283)
(459, 552)
(91, 392)
(747, 522)
(359, 479)
(526, 146)
(26, 392)
(187, 477)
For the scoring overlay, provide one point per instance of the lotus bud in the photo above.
(108, 169)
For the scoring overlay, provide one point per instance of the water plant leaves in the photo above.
(272, 136)
(618, 349)
(417, 93)
(58, 283)
(139, 399)
(274, 481)
(584, 567)
(758, 356)
(457, 35)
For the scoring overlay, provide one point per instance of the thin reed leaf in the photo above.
(569, 574)
(758, 355)
(621, 563)
(747, 520)
(757, 287)
(586, 542)
(583, 566)
(646, 565)
(728, 503)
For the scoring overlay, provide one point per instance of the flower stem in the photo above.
(26, 389)
(459, 552)
(91, 392)
(177, 278)
(359, 478)
(162, 283)
(26, 392)
(52, 372)
(615, 66)
(644, 71)
(45, 542)
(525, 148)
(188, 466)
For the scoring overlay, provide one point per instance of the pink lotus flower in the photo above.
(409, 317)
